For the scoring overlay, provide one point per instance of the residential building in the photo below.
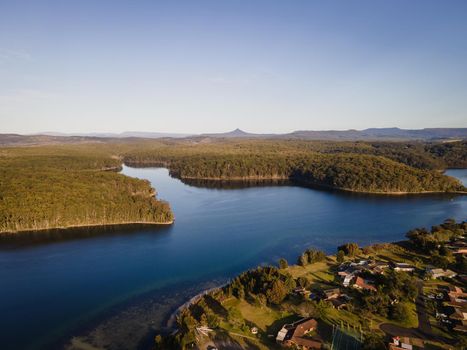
(403, 267)
(361, 283)
(297, 335)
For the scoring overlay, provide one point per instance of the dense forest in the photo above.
(436, 156)
(55, 187)
(352, 166)
(64, 185)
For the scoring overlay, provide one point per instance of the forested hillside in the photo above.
(361, 167)
(67, 185)
(55, 187)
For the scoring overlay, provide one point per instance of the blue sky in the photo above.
(210, 66)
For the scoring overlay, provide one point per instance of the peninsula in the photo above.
(377, 297)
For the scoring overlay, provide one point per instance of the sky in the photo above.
(213, 66)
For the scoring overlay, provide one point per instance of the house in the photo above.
(406, 343)
(305, 343)
(456, 292)
(360, 283)
(463, 278)
(456, 297)
(403, 267)
(347, 280)
(458, 315)
(330, 294)
(462, 251)
(282, 334)
(301, 291)
(296, 335)
(335, 297)
(459, 319)
(457, 302)
(461, 328)
(350, 268)
(362, 262)
(344, 273)
(458, 247)
(435, 273)
(378, 267)
(339, 303)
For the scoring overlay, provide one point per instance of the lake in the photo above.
(54, 286)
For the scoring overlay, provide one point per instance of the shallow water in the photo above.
(50, 288)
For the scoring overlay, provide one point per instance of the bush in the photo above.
(340, 257)
(350, 249)
(283, 264)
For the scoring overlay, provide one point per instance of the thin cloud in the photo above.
(7, 55)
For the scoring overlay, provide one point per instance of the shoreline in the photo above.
(272, 179)
(83, 226)
(305, 183)
(172, 318)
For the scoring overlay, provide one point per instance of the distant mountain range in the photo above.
(372, 134)
(350, 135)
(384, 133)
(139, 134)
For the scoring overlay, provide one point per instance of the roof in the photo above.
(461, 328)
(304, 326)
(403, 266)
(441, 272)
(307, 342)
(338, 302)
(455, 289)
(281, 334)
(456, 292)
(458, 315)
(360, 282)
(406, 343)
(335, 292)
(297, 328)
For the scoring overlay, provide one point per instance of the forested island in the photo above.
(73, 184)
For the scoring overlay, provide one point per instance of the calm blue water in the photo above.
(48, 289)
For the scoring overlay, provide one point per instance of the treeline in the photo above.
(452, 154)
(434, 243)
(57, 187)
(346, 171)
(262, 286)
(419, 155)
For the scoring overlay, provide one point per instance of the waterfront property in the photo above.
(298, 334)
(398, 266)
(435, 273)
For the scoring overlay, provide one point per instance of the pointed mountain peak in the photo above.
(237, 132)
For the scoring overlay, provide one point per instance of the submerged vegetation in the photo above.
(65, 185)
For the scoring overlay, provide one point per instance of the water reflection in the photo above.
(234, 184)
(33, 238)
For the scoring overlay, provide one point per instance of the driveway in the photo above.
(423, 331)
